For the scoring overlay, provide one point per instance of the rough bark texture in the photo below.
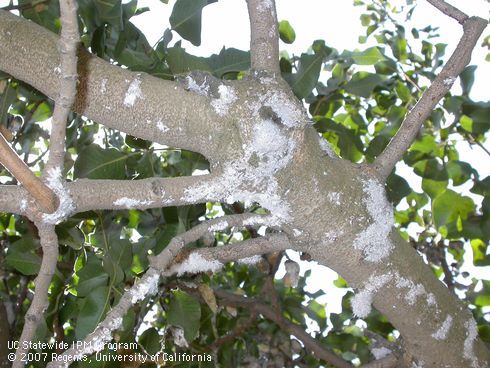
(337, 210)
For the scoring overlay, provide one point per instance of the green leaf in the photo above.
(118, 258)
(431, 169)
(369, 56)
(307, 75)
(286, 32)
(92, 312)
(150, 340)
(22, 257)
(480, 258)
(459, 171)
(449, 207)
(110, 11)
(186, 19)
(184, 311)
(397, 188)
(91, 276)
(363, 83)
(94, 162)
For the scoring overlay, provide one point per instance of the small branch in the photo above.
(264, 39)
(386, 161)
(309, 342)
(237, 331)
(49, 244)
(449, 10)
(147, 286)
(68, 42)
(7, 134)
(44, 196)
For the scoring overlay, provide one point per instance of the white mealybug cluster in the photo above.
(361, 302)
(133, 93)
(375, 241)
(195, 263)
(66, 206)
(380, 353)
(443, 331)
(126, 202)
(144, 288)
(226, 97)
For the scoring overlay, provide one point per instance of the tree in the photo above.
(117, 227)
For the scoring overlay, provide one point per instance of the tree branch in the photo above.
(264, 40)
(309, 342)
(44, 196)
(87, 195)
(4, 336)
(149, 108)
(449, 10)
(385, 162)
(68, 43)
(49, 243)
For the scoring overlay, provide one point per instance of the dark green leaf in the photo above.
(186, 19)
(307, 75)
(184, 311)
(92, 312)
(94, 162)
(363, 83)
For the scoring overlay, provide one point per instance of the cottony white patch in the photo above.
(414, 291)
(144, 288)
(380, 353)
(23, 205)
(297, 232)
(66, 206)
(222, 225)
(283, 107)
(449, 81)
(325, 146)
(133, 93)
(375, 241)
(443, 331)
(162, 127)
(179, 337)
(195, 263)
(130, 202)
(202, 89)
(250, 260)
(226, 97)
(361, 302)
(252, 178)
(103, 87)
(334, 197)
(265, 5)
(471, 335)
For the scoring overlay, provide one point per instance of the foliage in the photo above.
(357, 107)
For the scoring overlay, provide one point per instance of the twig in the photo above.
(148, 285)
(385, 162)
(49, 243)
(237, 331)
(449, 10)
(44, 196)
(264, 39)
(309, 342)
(68, 84)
